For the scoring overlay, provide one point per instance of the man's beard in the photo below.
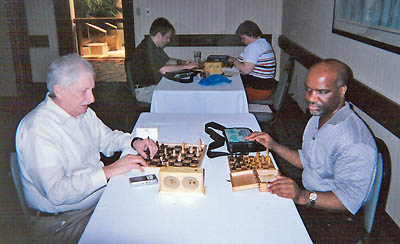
(318, 112)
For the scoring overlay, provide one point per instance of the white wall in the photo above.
(209, 17)
(41, 21)
(309, 23)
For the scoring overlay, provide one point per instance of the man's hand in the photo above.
(292, 156)
(262, 138)
(123, 165)
(190, 64)
(142, 145)
(286, 187)
(229, 61)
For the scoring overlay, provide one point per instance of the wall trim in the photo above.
(209, 40)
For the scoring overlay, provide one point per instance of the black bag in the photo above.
(234, 138)
(182, 76)
(218, 58)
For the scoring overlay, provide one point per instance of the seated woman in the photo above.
(256, 63)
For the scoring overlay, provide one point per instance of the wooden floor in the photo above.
(115, 106)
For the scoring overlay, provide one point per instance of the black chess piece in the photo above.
(147, 151)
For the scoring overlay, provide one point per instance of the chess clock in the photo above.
(182, 180)
(212, 68)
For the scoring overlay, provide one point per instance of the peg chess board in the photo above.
(178, 155)
(249, 172)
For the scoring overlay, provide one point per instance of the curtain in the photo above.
(384, 14)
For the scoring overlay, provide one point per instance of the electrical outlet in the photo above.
(147, 11)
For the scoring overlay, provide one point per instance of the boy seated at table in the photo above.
(150, 62)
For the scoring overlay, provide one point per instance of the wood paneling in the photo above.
(209, 40)
(38, 41)
(64, 27)
(18, 32)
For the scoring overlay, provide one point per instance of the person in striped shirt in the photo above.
(256, 63)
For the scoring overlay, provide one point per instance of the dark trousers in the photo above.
(332, 227)
(65, 227)
(259, 83)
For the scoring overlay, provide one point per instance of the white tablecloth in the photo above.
(126, 214)
(174, 97)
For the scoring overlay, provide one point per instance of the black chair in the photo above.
(261, 108)
(15, 174)
(374, 209)
(140, 106)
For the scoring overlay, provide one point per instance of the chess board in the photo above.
(178, 155)
(239, 163)
(249, 172)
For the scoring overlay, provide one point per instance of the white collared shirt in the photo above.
(59, 157)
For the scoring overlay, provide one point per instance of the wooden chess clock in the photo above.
(249, 172)
(212, 68)
(182, 180)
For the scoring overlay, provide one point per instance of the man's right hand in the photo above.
(123, 165)
(263, 138)
(229, 61)
(292, 156)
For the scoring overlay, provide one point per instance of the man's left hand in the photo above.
(190, 64)
(287, 188)
(142, 145)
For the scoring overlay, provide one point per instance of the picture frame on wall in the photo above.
(375, 22)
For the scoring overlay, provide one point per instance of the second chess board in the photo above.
(247, 172)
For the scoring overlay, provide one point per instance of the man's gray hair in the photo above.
(65, 71)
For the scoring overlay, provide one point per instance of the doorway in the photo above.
(104, 40)
(99, 34)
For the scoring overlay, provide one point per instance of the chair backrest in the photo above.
(15, 174)
(283, 84)
(132, 84)
(128, 70)
(376, 204)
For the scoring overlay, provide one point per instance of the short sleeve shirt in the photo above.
(339, 157)
(260, 53)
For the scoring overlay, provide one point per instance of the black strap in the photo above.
(219, 140)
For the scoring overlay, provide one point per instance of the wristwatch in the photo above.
(133, 141)
(312, 197)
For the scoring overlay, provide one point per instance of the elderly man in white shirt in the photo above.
(58, 145)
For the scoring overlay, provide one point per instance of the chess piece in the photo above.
(180, 157)
(198, 152)
(183, 148)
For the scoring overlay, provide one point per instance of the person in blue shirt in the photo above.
(338, 159)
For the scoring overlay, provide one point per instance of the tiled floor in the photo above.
(109, 70)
